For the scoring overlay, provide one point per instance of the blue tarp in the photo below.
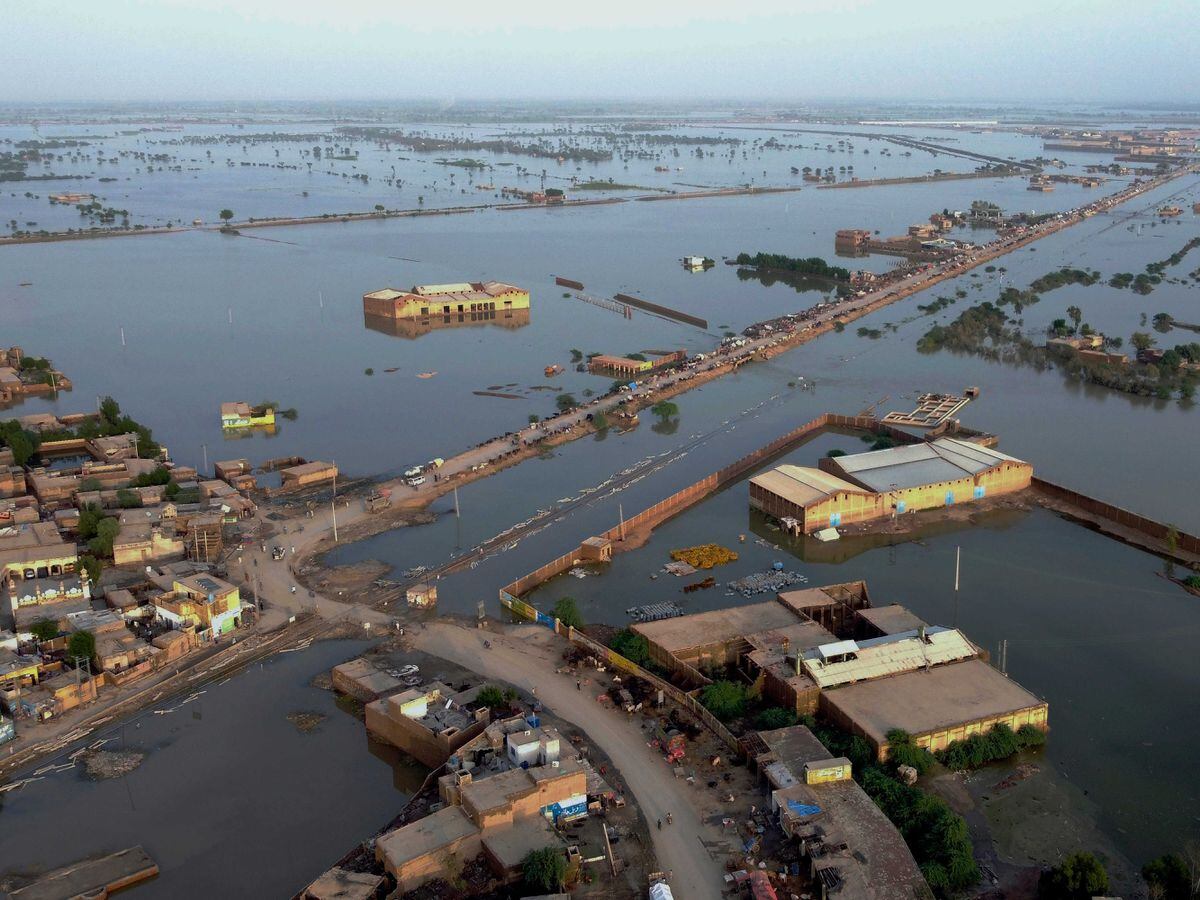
(802, 809)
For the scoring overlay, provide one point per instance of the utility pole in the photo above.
(204, 447)
(333, 502)
(456, 512)
(621, 513)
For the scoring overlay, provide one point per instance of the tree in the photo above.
(724, 699)
(89, 518)
(665, 409)
(835, 453)
(534, 418)
(106, 532)
(600, 421)
(92, 566)
(44, 630)
(567, 612)
(492, 697)
(544, 870)
(1141, 340)
(82, 645)
(630, 645)
(110, 410)
(565, 402)
(1168, 877)
(1075, 314)
(1078, 877)
(226, 215)
(90, 484)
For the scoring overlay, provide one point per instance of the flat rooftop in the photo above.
(496, 791)
(511, 843)
(892, 619)
(876, 862)
(926, 701)
(716, 626)
(425, 836)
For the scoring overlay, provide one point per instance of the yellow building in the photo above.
(202, 602)
(867, 486)
(243, 415)
(428, 300)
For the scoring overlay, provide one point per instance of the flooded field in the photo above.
(229, 789)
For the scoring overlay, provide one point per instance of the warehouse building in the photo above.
(868, 486)
(937, 706)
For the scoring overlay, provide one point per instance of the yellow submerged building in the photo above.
(429, 300)
(243, 415)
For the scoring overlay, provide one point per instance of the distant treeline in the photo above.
(813, 265)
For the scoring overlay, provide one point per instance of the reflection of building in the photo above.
(445, 300)
(421, 325)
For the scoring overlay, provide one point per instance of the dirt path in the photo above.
(526, 657)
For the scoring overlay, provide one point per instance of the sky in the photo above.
(1087, 51)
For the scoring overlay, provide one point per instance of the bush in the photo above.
(127, 499)
(544, 870)
(567, 612)
(631, 646)
(724, 699)
(902, 751)
(999, 743)
(938, 838)
(1078, 877)
(835, 453)
(92, 566)
(775, 717)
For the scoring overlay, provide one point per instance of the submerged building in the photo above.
(433, 300)
(866, 486)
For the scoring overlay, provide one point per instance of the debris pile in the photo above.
(704, 556)
(306, 722)
(103, 764)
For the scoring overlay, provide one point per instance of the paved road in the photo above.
(526, 658)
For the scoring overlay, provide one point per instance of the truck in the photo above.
(377, 500)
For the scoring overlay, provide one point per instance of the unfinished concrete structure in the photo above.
(429, 722)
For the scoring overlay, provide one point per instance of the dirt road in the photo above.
(526, 658)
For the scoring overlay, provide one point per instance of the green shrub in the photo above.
(1168, 877)
(999, 743)
(903, 751)
(631, 646)
(544, 870)
(1078, 877)
(567, 612)
(724, 699)
(775, 717)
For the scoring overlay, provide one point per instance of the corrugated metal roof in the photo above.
(801, 485)
(888, 655)
(945, 459)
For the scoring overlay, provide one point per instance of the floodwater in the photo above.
(1091, 627)
(231, 800)
(276, 314)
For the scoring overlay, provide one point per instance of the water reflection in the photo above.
(416, 327)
